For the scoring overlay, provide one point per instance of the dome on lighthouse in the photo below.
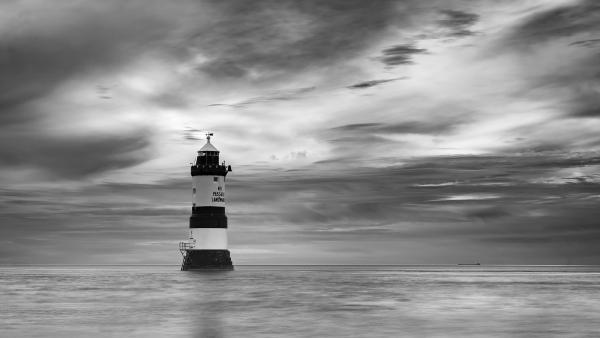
(208, 146)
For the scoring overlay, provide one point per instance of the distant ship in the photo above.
(469, 263)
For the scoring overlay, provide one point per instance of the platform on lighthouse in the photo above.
(183, 246)
(202, 259)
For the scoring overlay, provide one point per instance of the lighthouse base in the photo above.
(206, 260)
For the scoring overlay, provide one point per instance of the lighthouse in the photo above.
(207, 245)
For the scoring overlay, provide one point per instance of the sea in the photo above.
(300, 301)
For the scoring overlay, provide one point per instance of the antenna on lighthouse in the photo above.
(208, 135)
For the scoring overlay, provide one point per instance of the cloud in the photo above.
(371, 204)
(563, 21)
(74, 157)
(372, 83)
(555, 38)
(466, 197)
(489, 213)
(280, 95)
(223, 68)
(586, 103)
(458, 22)
(320, 170)
(324, 210)
(41, 55)
(268, 38)
(170, 100)
(407, 127)
(192, 134)
(400, 54)
(41, 52)
(531, 162)
(396, 138)
(430, 185)
(590, 43)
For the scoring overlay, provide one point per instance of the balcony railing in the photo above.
(218, 170)
(183, 246)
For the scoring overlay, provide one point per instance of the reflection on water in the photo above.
(413, 301)
(206, 304)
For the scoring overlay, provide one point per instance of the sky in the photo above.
(359, 132)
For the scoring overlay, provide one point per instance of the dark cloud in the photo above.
(577, 86)
(74, 156)
(270, 37)
(458, 22)
(372, 83)
(490, 198)
(572, 82)
(356, 126)
(535, 192)
(40, 52)
(330, 209)
(567, 226)
(223, 68)
(564, 21)
(193, 134)
(400, 54)
(524, 163)
(377, 137)
(17, 112)
(590, 43)
(409, 127)
(488, 213)
(69, 222)
(586, 103)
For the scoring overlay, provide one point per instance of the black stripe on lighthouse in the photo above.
(208, 210)
(208, 221)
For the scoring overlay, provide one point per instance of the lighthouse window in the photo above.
(216, 179)
(194, 190)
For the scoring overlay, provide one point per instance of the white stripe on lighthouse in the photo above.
(210, 238)
(208, 191)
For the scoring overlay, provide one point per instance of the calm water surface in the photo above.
(301, 301)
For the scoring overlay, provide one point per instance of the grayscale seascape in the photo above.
(345, 156)
(301, 301)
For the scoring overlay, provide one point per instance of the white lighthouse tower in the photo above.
(207, 245)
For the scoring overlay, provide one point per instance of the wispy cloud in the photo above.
(74, 157)
(458, 22)
(562, 21)
(407, 127)
(280, 95)
(467, 197)
(400, 54)
(243, 37)
(591, 43)
(192, 134)
(373, 83)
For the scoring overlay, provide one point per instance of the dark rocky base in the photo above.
(207, 260)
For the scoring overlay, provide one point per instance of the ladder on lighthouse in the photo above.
(183, 248)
